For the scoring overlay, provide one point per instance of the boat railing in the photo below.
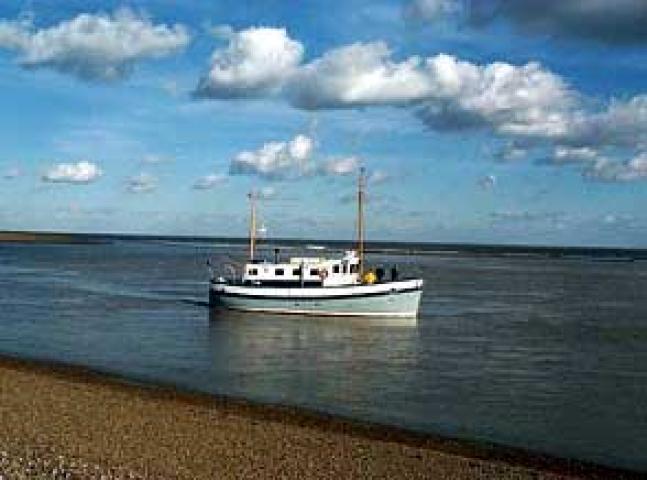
(231, 270)
(226, 272)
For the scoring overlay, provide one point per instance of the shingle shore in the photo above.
(61, 422)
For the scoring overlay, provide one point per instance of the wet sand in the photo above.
(59, 421)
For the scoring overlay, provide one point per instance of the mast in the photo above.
(252, 225)
(360, 220)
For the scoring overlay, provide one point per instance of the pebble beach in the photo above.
(64, 422)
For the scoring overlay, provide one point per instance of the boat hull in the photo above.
(391, 299)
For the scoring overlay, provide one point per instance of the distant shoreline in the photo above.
(373, 247)
(75, 411)
(38, 237)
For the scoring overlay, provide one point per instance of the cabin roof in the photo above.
(309, 260)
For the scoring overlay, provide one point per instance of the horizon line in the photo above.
(188, 237)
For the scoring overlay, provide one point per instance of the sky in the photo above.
(477, 121)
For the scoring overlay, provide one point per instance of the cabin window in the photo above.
(345, 268)
(354, 268)
(296, 272)
(252, 272)
(279, 272)
(335, 269)
(314, 272)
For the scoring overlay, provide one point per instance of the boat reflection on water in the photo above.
(328, 364)
(223, 315)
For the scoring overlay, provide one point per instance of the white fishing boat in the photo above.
(319, 286)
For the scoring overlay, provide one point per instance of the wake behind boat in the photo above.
(315, 285)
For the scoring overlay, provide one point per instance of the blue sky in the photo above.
(489, 122)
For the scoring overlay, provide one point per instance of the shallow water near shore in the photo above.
(540, 353)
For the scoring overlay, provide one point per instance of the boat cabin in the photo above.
(304, 272)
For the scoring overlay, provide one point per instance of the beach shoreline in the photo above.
(153, 431)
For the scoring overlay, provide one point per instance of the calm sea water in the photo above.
(546, 354)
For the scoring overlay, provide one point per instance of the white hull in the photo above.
(390, 299)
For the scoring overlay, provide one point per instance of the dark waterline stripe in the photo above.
(331, 297)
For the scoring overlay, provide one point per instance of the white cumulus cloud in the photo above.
(449, 93)
(596, 139)
(527, 104)
(92, 46)
(276, 159)
(295, 159)
(525, 100)
(622, 123)
(358, 75)
(81, 172)
(256, 62)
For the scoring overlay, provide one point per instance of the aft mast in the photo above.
(360, 220)
(252, 225)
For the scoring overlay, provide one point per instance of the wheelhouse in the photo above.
(304, 272)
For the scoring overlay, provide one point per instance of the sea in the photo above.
(543, 349)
